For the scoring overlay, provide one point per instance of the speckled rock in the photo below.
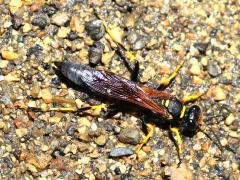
(130, 136)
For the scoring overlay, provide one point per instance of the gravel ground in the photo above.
(50, 145)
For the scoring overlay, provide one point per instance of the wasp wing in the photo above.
(114, 86)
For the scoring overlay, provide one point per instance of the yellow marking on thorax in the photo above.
(183, 112)
(163, 102)
(167, 103)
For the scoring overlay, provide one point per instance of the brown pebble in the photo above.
(205, 146)
(46, 95)
(211, 162)
(107, 57)
(144, 173)
(147, 149)
(18, 123)
(178, 173)
(101, 140)
(40, 161)
(8, 55)
(35, 89)
(217, 93)
(57, 164)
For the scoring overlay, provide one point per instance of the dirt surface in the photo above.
(160, 34)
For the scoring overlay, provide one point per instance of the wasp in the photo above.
(166, 107)
(162, 104)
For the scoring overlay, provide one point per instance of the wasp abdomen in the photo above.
(77, 73)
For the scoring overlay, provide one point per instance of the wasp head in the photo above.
(192, 119)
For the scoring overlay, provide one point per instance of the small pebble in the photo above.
(178, 173)
(230, 119)
(46, 95)
(95, 29)
(224, 141)
(17, 21)
(27, 27)
(101, 140)
(234, 134)
(95, 53)
(120, 151)
(72, 36)
(213, 70)
(130, 136)
(63, 32)
(132, 37)
(8, 55)
(21, 132)
(14, 5)
(40, 21)
(60, 18)
(3, 63)
(148, 73)
(49, 10)
(218, 93)
(83, 121)
(201, 47)
(138, 45)
(40, 161)
(195, 69)
(107, 57)
(141, 156)
(35, 89)
(1, 78)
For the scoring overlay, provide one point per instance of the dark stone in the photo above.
(36, 50)
(95, 29)
(40, 21)
(95, 53)
(49, 10)
(71, 130)
(213, 33)
(201, 47)
(56, 81)
(17, 22)
(73, 36)
(214, 70)
(117, 171)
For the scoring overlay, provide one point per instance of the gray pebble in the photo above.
(201, 47)
(95, 53)
(95, 29)
(130, 136)
(132, 37)
(214, 70)
(139, 45)
(40, 21)
(120, 151)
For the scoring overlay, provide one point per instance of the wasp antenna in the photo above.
(217, 142)
(209, 118)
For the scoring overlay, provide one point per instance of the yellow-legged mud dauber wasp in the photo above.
(159, 104)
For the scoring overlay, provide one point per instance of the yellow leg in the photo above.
(73, 109)
(150, 128)
(194, 97)
(116, 39)
(167, 81)
(178, 139)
